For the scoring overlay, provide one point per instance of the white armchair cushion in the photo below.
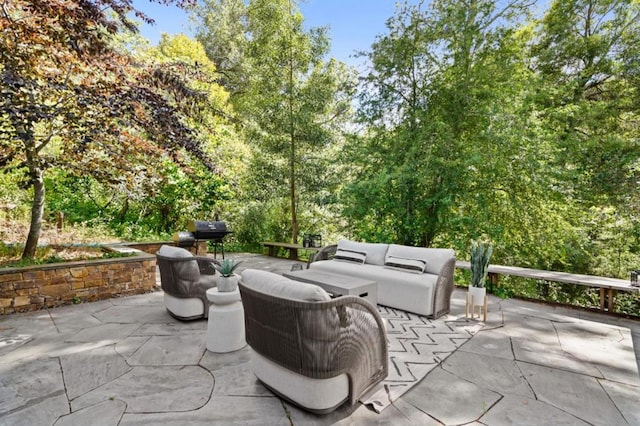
(315, 394)
(184, 307)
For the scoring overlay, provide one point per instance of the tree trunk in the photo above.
(292, 134)
(294, 214)
(37, 211)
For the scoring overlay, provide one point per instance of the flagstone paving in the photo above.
(125, 361)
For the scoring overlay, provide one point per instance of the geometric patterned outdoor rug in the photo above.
(416, 346)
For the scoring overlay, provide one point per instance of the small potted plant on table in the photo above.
(480, 256)
(228, 280)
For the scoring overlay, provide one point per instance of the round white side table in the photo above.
(225, 330)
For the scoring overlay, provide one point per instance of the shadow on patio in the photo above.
(128, 362)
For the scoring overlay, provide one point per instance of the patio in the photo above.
(127, 362)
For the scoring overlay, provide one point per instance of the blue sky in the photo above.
(353, 23)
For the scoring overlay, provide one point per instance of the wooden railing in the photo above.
(608, 286)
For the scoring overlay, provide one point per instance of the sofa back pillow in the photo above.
(415, 266)
(352, 256)
(375, 253)
(435, 258)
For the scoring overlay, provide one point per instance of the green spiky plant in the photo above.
(226, 267)
(480, 256)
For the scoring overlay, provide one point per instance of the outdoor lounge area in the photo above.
(127, 361)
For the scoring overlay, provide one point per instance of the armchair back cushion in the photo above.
(279, 286)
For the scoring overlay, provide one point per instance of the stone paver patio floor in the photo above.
(127, 362)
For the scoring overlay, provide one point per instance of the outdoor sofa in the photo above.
(414, 279)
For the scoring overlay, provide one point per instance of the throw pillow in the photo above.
(375, 252)
(350, 256)
(415, 266)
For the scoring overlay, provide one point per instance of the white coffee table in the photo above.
(338, 285)
(225, 329)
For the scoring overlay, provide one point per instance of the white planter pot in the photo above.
(226, 284)
(476, 295)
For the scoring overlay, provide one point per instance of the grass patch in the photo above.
(10, 255)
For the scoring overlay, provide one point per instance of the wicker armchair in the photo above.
(185, 279)
(315, 354)
(325, 253)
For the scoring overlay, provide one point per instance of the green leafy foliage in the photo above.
(226, 267)
(291, 100)
(480, 256)
(74, 101)
(43, 259)
(482, 121)
(473, 118)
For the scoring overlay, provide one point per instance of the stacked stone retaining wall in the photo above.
(45, 286)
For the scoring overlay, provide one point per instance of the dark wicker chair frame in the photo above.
(443, 290)
(441, 293)
(180, 281)
(325, 253)
(318, 339)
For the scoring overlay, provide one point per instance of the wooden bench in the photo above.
(293, 248)
(608, 286)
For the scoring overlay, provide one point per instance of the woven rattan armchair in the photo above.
(325, 253)
(303, 345)
(185, 279)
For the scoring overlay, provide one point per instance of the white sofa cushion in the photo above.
(277, 285)
(409, 292)
(375, 252)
